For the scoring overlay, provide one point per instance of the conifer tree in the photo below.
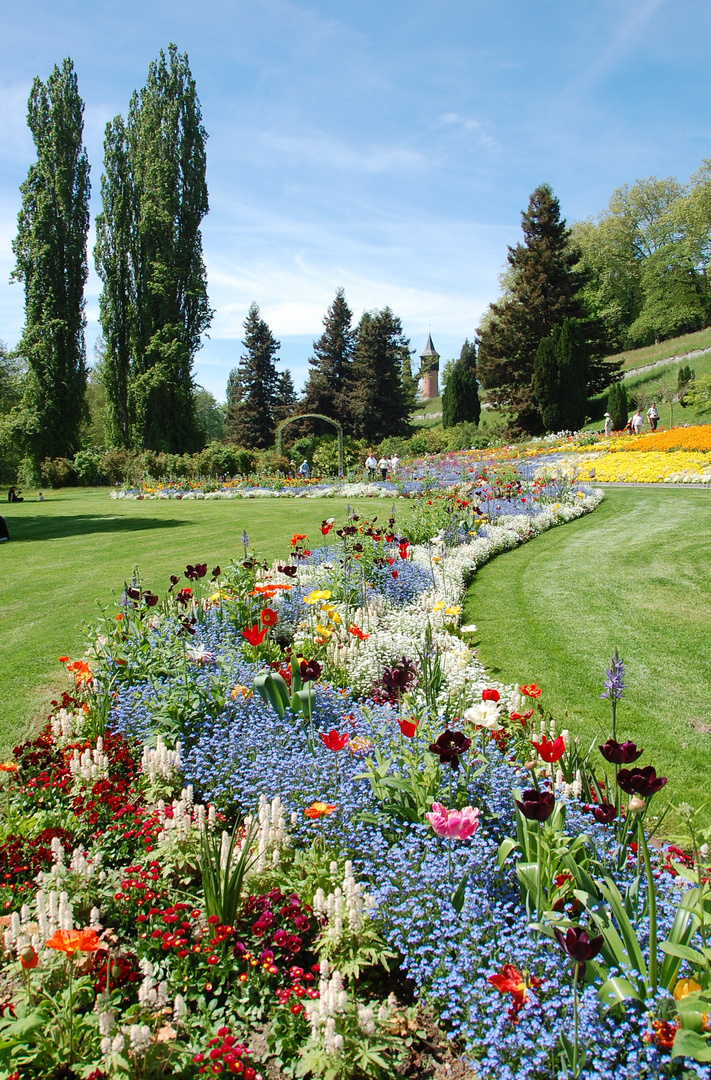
(252, 415)
(560, 378)
(379, 400)
(460, 401)
(329, 383)
(543, 290)
(285, 395)
(149, 255)
(50, 248)
(618, 405)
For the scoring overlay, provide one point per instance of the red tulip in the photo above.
(490, 695)
(253, 635)
(550, 751)
(334, 741)
(409, 727)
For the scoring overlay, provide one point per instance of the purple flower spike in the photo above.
(614, 681)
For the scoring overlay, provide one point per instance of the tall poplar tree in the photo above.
(254, 396)
(379, 400)
(50, 248)
(329, 383)
(149, 255)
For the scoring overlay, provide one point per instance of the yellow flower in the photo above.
(317, 595)
(438, 606)
(325, 631)
(436, 558)
(456, 610)
(359, 744)
(240, 691)
(684, 987)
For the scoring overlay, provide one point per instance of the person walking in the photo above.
(394, 463)
(384, 465)
(653, 416)
(304, 469)
(371, 464)
(608, 424)
(637, 423)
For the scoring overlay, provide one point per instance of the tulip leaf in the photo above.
(684, 952)
(616, 990)
(505, 848)
(691, 1044)
(459, 894)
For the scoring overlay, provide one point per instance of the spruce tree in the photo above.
(379, 401)
(543, 290)
(285, 396)
(329, 382)
(618, 406)
(460, 401)
(252, 414)
(149, 255)
(50, 248)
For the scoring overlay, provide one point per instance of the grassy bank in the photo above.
(77, 548)
(635, 575)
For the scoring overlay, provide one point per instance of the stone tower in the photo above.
(429, 371)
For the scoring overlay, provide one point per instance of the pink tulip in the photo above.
(457, 824)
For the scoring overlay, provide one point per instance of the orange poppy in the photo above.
(296, 537)
(319, 809)
(8, 766)
(71, 941)
(80, 671)
(29, 958)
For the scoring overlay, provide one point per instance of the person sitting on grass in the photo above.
(14, 496)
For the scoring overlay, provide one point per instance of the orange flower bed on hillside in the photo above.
(686, 438)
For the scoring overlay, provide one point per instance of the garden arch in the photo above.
(314, 416)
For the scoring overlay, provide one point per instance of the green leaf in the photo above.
(616, 990)
(690, 1044)
(505, 848)
(459, 894)
(684, 952)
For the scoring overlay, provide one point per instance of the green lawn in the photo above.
(633, 358)
(635, 574)
(79, 546)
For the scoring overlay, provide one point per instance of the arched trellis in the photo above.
(313, 416)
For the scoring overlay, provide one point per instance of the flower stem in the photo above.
(652, 894)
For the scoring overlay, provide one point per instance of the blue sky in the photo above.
(386, 147)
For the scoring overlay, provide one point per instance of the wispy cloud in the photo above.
(632, 20)
(470, 124)
(320, 149)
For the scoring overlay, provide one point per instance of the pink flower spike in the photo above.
(457, 824)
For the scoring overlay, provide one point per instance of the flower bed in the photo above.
(384, 868)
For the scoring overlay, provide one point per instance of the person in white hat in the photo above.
(608, 424)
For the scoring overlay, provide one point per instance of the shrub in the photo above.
(88, 465)
(57, 472)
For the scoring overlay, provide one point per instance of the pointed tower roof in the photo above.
(429, 349)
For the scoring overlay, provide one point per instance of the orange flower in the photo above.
(71, 941)
(531, 691)
(319, 809)
(80, 671)
(8, 766)
(29, 958)
(358, 633)
(269, 616)
(63, 659)
(265, 593)
(296, 537)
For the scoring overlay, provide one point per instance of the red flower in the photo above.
(490, 695)
(71, 941)
(510, 981)
(29, 958)
(357, 632)
(269, 616)
(523, 717)
(404, 545)
(550, 751)
(531, 691)
(326, 526)
(334, 741)
(409, 727)
(253, 635)
(395, 574)
(296, 537)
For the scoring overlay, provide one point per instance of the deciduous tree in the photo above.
(50, 248)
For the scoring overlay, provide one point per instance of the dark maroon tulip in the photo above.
(290, 571)
(310, 670)
(174, 579)
(151, 598)
(605, 813)
(620, 753)
(642, 782)
(449, 746)
(400, 675)
(579, 946)
(536, 805)
(215, 572)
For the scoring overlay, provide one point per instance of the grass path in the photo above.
(636, 574)
(79, 546)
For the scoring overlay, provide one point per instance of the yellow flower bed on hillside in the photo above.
(649, 467)
(696, 438)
